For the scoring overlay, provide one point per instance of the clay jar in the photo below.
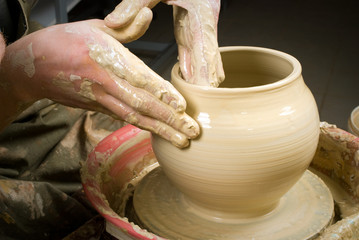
(259, 133)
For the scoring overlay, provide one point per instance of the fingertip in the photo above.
(221, 78)
(220, 71)
(141, 23)
(190, 127)
(111, 20)
(122, 15)
(126, 29)
(115, 21)
(145, 15)
(194, 130)
(179, 140)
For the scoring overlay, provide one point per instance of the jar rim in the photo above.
(295, 73)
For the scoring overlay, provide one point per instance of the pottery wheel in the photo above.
(301, 214)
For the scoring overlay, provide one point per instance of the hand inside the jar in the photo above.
(195, 23)
(80, 65)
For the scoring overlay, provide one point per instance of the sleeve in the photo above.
(14, 18)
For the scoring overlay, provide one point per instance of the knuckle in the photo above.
(132, 118)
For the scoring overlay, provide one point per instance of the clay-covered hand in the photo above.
(80, 65)
(195, 26)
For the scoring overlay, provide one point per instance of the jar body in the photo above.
(259, 133)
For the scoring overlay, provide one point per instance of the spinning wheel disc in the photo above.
(301, 214)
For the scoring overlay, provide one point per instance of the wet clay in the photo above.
(85, 87)
(301, 214)
(114, 168)
(346, 203)
(24, 59)
(195, 29)
(255, 141)
(118, 61)
(113, 181)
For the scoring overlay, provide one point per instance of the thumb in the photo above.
(134, 29)
(126, 11)
(123, 14)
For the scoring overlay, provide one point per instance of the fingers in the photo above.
(168, 94)
(219, 69)
(141, 76)
(195, 25)
(146, 104)
(164, 91)
(185, 63)
(123, 14)
(127, 113)
(134, 29)
(126, 12)
(122, 64)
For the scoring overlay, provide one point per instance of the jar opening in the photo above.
(247, 68)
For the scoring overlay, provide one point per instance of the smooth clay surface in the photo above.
(259, 132)
(301, 214)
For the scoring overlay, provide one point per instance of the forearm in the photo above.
(10, 104)
(10, 107)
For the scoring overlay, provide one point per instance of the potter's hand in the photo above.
(79, 65)
(195, 31)
(195, 24)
